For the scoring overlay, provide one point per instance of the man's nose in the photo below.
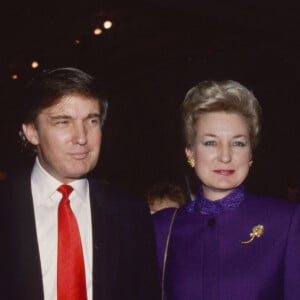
(80, 134)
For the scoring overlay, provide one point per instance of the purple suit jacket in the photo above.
(206, 260)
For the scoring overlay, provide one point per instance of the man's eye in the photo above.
(61, 122)
(93, 121)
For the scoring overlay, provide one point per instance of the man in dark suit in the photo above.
(114, 249)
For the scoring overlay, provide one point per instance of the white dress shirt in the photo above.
(46, 199)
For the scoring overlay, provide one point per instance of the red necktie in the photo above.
(70, 263)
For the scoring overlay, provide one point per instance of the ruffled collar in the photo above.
(205, 206)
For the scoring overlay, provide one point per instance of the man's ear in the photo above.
(30, 133)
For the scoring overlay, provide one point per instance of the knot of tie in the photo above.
(65, 189)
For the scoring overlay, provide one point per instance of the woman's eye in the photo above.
(209, 143)
(239, 143)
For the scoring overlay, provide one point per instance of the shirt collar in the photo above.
(45, 185)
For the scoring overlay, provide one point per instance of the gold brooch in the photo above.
(257, 231)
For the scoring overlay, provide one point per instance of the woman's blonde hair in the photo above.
(220, 96)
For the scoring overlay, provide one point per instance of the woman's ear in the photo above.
(190, 157)
(189, 153)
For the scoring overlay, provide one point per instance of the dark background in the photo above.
(155, 52)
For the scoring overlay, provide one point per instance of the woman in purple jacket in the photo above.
(227, 244)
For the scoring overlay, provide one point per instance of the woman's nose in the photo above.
(225, 154)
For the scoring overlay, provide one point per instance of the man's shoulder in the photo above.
(16, 181)
(112, 196)
(110, 190)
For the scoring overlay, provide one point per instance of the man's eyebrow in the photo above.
(68, 117)
(93, 115)
(58, 117)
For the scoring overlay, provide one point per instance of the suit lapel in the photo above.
(106, 242)
(24, 242)
(24, 262)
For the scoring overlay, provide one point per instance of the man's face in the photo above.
(68, 137)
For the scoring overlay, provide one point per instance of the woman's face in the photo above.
(222, 151)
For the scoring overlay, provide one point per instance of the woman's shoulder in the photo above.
(271, 203)
(267, 198)
(164, 216)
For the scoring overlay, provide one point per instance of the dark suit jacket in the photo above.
(123, 245)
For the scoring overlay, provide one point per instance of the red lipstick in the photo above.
(224, 172)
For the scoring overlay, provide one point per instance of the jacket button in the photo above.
(211, 222)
